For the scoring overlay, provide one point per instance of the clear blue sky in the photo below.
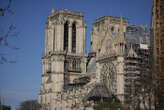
(21, 81)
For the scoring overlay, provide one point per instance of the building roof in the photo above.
(112, 19)
(65, 11)
(99, 91)
(92, 66)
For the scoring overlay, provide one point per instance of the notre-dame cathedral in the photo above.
(75, 80)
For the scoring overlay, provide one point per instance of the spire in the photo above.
(121, 26)
(132, 53)
(52, 11)
(107, 33)
(120, 38)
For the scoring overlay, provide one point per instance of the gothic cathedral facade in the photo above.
(73, 79)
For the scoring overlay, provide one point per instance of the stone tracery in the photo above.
(108, 76)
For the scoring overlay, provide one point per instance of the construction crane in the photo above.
(158, 50)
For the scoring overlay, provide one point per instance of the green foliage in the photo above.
(111, 103)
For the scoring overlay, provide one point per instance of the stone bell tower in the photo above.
(64, 58)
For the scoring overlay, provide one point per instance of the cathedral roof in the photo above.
(99, 91)
(66, 12)
(92, 66)
(112, 19)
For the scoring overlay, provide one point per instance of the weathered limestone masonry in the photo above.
(64, 58)
(73, 79)
(111, 52)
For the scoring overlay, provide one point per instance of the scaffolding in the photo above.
(132, 77)
(137, 73)
(138, 77)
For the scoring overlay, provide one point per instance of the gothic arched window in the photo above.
(74, 37)
(54, 40)
(74, 65)
(66, 36)
(112, 29)
(49, 68)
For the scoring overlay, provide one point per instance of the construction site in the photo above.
(137, 65)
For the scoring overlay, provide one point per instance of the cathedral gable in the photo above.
(107, 46)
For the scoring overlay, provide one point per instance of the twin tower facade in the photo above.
(70, 76)
(65, 57)
(65, 48)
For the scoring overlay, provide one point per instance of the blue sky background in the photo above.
(21, 81)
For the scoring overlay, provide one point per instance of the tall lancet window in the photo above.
(74, 37)
(66, 36)
(54, 40)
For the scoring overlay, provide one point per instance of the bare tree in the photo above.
(10, 32)
(3, 106)
(29, 105)
(6, 9)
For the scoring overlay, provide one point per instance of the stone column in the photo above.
(54, 37)
(84, 37)
(62, 37)
(49, 35)
(58, 70)
(46, 41)
(83, 64)
(59, 37)
(51, 38)
(79, 40)
(98, 72)
(45, 66)
(120, 78)
(70, 38)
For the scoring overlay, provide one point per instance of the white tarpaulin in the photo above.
(143, 46)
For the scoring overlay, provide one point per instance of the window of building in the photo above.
(74, 37)
(54, 40)
(49, 68)
(72, 65)
(112, 29)
(66, 36)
